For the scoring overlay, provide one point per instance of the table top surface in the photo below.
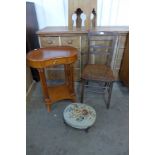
(43, 54)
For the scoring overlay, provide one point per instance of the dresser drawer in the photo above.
(109, 37)
(101, 40)
(71, 41)
(49, 41)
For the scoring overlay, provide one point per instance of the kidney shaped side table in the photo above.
(57, 55)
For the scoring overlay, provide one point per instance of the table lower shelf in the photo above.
(60, 92)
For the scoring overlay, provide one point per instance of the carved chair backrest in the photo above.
(101, 47)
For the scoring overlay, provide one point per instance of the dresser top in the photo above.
(66, 30)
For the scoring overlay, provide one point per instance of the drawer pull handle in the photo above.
(55, 61)
(70, 41)
(50, 42)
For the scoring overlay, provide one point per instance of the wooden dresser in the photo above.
(52, 36)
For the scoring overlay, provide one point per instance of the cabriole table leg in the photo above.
(44, 88)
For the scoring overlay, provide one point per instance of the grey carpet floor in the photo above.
(46, 134)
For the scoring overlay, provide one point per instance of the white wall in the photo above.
(55, 12)
(51, 12)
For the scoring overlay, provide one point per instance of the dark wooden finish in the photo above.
(44, 57)
(31, 36)
(93, 22)
(78, 20)
(31, 26)
(124, 70)
(100, 72)
(69, 78)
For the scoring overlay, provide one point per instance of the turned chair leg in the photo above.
(109, 95)
(82, 89)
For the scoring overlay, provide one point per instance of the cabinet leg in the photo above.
(66, 74)
(74, 99)
(82, 90)
(69, 76)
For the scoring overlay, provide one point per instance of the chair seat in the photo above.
(97, 72)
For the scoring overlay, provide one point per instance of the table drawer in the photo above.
(71, 41)
(59, 64)
(49, 41)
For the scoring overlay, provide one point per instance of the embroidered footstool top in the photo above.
(80, 116)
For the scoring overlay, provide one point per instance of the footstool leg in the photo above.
(87, 129)
(49, 107)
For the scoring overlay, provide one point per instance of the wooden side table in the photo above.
(58, 55)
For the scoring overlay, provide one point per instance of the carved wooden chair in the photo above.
(98, 64)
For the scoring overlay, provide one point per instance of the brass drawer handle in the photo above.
(50, 42)
(70, 41)
(55, 61)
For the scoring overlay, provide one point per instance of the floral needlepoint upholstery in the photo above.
(80, 116)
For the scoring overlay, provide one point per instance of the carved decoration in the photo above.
(78, 19)
(93, 18)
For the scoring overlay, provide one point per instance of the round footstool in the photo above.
(80, 116)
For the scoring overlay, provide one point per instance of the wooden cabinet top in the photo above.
(51, 30)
